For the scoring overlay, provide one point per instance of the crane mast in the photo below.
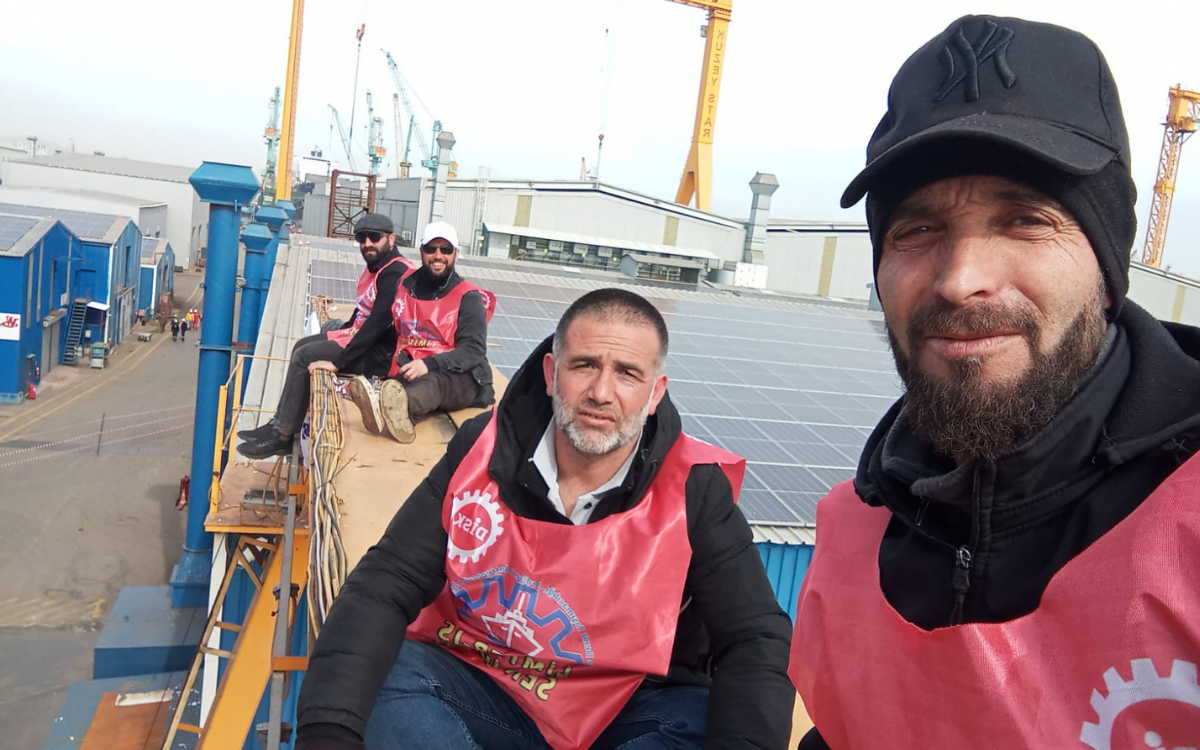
(1183, 112)
(697, 171)
(375, 149)
(287, 135)
(271, 137)
(401, 165)
(342, 134)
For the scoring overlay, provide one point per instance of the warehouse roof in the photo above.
(93, 227)
(18, 234)
(661, 261)
(583, 239)
(145, 170)
(151, 246)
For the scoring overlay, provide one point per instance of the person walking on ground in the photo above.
(183, 329)
(1017, 560)
(573, 573)
(441, 350)
(362, 346)
(175, 328)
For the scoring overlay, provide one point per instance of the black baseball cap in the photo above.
(1042, 90)
(374, 223)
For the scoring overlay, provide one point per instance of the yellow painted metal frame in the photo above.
(1183, 111)
(697, 171)
(287, 136)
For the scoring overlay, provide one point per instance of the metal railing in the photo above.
(227, 418)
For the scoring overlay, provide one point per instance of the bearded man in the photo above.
(573, 573)
(1015, 563)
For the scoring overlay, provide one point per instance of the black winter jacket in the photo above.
(1020, 519)
(732, 634)
(470, 336)
(376, 339)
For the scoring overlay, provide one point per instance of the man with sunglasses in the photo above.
(362, 346)
(440, 321)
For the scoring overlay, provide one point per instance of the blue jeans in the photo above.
(432, 699)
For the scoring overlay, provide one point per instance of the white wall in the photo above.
(1166, 296)
(795, 261)
(187, 218)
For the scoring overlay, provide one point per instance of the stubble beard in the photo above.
(966, 416)
(590, 442)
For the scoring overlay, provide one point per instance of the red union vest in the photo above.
(427, 326)
(1108, 660)
(367, 291)
(567, 619)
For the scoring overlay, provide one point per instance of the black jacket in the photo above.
(732, 635)
(1023, 517)
(376, 340)
(470, 336)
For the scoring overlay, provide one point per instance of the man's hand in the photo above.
(322, 364)
(414, 370)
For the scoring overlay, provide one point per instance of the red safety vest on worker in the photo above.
(367, 292)
(1107, 660)
(567, 619)
(427, 326)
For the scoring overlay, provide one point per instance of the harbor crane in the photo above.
(287, 133)
(345, 140)
(271, 138)
(375, 149)
(431, 159)
(401, 165)
(697, 171)
(1183, 117)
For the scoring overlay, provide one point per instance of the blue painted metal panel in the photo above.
(786, 565)
(144, 634)
(47, 262)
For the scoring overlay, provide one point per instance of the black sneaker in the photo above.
(261, 431)
(275, 444)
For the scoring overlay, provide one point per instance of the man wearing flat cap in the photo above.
(1016, 563)
(362, 346)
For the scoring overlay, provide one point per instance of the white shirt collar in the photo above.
(546, 462)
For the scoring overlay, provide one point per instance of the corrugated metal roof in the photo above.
(583, 239)
(659, 260)
(106, 228)
(784, 534)
(150, 248)
(20, 233)
(145, 170)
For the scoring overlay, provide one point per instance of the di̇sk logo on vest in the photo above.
(1148, 711)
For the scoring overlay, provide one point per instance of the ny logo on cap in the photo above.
(992, 44)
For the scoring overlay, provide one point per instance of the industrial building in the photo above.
(157, 275)
(36, 281)
(105, 280)
(156, 196)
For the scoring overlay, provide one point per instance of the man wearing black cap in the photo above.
(362, 346)
(1016, 562)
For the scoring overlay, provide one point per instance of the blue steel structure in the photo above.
(257, 238)
(226, 188)
(786, 565)
(158, 273)
(276, 218)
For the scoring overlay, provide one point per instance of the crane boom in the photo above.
(401, 165)
(1183, 112)
(697, 171)
(342, 133)
(287, 135)
(402, 90)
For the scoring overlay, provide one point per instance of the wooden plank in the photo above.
(232, 516)
(128, 727)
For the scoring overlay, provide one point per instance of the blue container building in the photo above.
(105, 283)
(157, 274)
(38, 261)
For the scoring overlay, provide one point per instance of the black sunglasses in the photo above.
(432, 249)
(366, 236)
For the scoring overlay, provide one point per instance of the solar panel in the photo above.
(13, 228)
(85, 225)
(794, 387)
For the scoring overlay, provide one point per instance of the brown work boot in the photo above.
(362, 393)
(393, 402)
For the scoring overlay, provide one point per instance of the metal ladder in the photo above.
(74, 331)
(259, 654)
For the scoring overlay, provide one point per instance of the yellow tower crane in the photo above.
(697, 172)
(1183, 114)
(287, 135)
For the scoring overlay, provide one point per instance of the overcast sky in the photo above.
(522, 84)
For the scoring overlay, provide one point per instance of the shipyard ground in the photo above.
(87, 511)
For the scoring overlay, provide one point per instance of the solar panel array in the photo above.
(13, 228)
(795, 391)
(85, 225)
